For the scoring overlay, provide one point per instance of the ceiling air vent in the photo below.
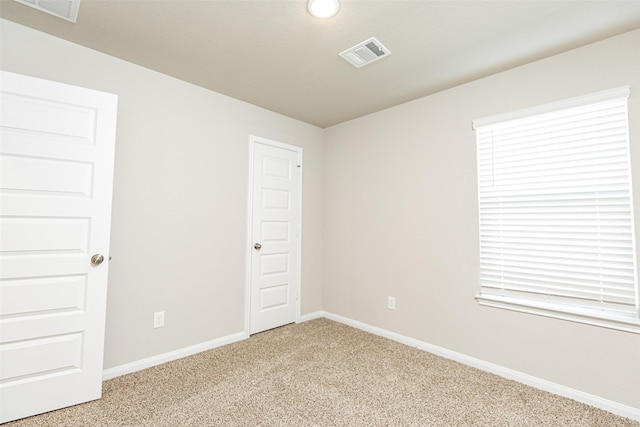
(365, 53)
(65, 9)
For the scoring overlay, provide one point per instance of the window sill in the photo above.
(589, 317)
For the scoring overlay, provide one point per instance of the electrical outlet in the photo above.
(158, 319)
(391, 303)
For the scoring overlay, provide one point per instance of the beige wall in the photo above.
(401, 219)
(180, 196)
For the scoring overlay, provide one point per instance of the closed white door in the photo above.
(275, 234)
(56, 171)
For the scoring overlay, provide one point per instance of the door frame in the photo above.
(253, 140)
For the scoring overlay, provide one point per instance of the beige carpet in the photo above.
(321, 373)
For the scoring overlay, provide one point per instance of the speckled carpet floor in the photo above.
(321, 373)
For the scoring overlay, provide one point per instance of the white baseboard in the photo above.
(311, 316)
(149, 362)
(172, 355)
(589, 399)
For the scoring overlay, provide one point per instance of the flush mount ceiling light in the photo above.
(323, 8)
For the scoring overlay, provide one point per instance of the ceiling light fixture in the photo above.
(323, 8)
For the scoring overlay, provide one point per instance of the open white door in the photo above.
(275, 234)
(56, 170)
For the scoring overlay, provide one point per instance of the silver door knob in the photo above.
(257, 246)
(97, 259)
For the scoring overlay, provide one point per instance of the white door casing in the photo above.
(274, 234)
(56, 171)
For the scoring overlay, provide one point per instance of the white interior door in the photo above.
(56, 170)
(275, 234)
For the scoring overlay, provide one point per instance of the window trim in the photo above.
(559, 310)
(588, 317)
(605, 95)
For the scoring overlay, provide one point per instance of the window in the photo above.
(556, 211)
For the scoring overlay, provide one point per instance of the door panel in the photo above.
(44, 234)
(274, 297)
(275, 231)
(56, 170)
(275, 227)
(54, 176)
(35, 296)
(23, 359)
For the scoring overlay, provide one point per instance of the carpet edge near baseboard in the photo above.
(530, 380)
(511, 374)
(159, 359)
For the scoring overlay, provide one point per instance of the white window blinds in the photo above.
(556, 212)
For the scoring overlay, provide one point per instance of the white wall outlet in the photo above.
(391, 303)
(158, 319)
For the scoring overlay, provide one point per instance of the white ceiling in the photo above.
(275, 55)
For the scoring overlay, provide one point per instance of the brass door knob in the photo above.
(97, 259)
(257, 246)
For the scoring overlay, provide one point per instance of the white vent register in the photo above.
(365, 53)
